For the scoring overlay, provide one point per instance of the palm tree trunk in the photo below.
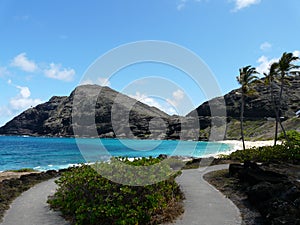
(242, 120)
(278, 112)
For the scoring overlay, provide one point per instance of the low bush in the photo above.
(292, 135)
(285, 152)
(86, 197)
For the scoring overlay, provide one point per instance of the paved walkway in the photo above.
(204, 205)
(31, 207)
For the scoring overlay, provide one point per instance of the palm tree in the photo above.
(245, 79)
(270, 80)
(286, 68)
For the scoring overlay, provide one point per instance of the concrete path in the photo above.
(31, 207)
(205, 205)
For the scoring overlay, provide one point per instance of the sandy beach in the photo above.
(238, 145)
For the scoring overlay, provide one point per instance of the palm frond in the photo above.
(247, 78)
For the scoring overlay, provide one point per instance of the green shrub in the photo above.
(292, 135)
(284, 152)
(86, 197)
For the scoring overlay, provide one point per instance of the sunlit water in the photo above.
(43, 153)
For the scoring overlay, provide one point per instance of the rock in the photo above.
(297, 203)
(235, 168)
(286, 220)
(254, 177)
(260, 192)
(258, 109)
(275, 196)
(162, 156)
(251, 173)
(257, 106)
(115, 115)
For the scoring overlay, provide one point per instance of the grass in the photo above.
(258, 130)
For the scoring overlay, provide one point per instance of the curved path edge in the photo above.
(204, 204)
(31, 207)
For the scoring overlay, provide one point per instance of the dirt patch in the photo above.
(11, 175)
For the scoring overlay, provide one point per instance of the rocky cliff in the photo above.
(116, 115)
(100, 111)
(259, 105)
(259, 113)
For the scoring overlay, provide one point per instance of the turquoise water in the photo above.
(44, 153)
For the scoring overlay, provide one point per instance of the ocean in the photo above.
(45, 153)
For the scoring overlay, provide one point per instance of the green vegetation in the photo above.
(252, 129)
(246, 79)
(277, 77)
(285, 152)
(292, 136)
(285, 69)
(86, 197)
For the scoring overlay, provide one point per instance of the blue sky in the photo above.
(46, 46)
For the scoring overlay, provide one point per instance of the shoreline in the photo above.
(234, 146)
(238, 145)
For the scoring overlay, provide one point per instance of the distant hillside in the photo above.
(258, 111)
(54, 118)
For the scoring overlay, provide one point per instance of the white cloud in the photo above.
(240, 4)
(22, 62)
(87, 81)
(178, 95)
(296, 53)
(103, 81)
(54, 71)
(17, 104)
(146, 99)
(169, 106)
(100, 81)
(24, 92)
(264, 64)
(57, 72)
(23, 101)
(181, 4)
(164, 106)
(265, 46)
